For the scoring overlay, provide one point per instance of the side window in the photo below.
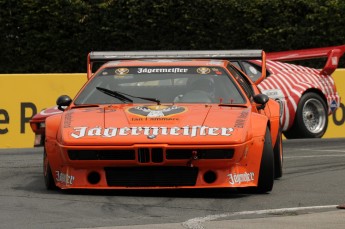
(242, 80)
(253, 71)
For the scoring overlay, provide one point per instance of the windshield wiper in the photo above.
(124, 97)
(115, 94)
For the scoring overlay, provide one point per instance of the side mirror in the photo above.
(261, 99)
(63, 101)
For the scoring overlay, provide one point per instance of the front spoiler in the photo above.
(242, 170)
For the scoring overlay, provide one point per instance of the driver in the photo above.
(200, 91)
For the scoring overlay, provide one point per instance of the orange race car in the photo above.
(166, 119)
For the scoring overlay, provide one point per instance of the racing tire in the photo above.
(266, 174)
(47, 173)
(278, 156)
(311, 118)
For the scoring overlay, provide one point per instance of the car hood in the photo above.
(155, 124)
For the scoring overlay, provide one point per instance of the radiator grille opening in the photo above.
(144, 155)
(151, 176)
(157, 155)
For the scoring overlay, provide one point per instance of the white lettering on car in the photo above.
(64, 178)
(110, 132)
(241, 178)
(80, 132)
(191, 131)
(162, 70)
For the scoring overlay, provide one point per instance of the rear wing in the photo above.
(333, 55)
(105, 56)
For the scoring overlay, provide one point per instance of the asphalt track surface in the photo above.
(312, 186)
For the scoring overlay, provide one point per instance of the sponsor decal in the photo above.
(68, 120)
(64, 178)
(253, 70)
(216, 71)
(190, 131)
(334, 60)
(162, 70)
(241, 120)
(334, 105)
(241, 177)
(151, 136)
(121, 71)
(274, 93)
(156, 110)
(203, 70)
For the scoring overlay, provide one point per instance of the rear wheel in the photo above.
(266, 175)
(311, 118)
(47, 173)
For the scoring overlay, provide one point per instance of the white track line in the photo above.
(313, 156)
(195, 223)
(324, 150)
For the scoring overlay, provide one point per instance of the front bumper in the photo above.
(156, 166)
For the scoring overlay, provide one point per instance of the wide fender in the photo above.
(258, 125)
(273, 108)
(305, 86)
(52, 145)
(52, 131)
(250, 163)
(52, 126)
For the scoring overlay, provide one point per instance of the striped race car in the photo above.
(306, 95)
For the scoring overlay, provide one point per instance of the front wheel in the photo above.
(278, 156)
(311, 118)
(266, 176)
(47, 173)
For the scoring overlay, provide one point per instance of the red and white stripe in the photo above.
(293, 81)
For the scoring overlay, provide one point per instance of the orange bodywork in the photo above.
(118, 146)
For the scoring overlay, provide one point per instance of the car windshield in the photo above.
(165, 84)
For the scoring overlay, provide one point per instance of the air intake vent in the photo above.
(179, 154)
(101, 155)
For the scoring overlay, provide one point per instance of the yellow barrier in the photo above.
(336, 121)
(23, 95)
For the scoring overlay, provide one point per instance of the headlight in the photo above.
(42, 125)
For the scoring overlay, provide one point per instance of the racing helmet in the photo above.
(205, 84)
